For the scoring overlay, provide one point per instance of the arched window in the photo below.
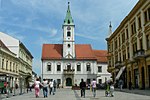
(48, 66)
(58, 67)
(69, 67)
(68, 21)
(88, 67)
(78, 66)
(68, 33)
(68, 45)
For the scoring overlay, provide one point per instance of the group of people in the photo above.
(83, 87)
(45, 84)
(109, 90)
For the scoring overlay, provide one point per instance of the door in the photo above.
(68, 82)
(149, 74)
(143, 78)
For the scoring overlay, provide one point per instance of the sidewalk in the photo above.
(135, 91)
(14, 93)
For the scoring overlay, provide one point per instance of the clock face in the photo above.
(68, 28)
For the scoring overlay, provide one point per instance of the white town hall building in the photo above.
(68, 63)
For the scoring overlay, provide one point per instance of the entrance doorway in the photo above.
(136, 78)
(68, 82)
(143, 78)
(149, 74)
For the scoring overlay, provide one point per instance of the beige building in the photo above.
(8, 64)
(22, 60)
(129, 48)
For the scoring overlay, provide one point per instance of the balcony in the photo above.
(68, 71)
(118, 64)
(139, 54)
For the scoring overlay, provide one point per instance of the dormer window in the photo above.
(68, 33)
(68, 21)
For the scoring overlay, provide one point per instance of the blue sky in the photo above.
(35, 22)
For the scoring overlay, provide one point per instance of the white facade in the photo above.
(69, 69)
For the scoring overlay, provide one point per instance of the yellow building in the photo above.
(129, 48)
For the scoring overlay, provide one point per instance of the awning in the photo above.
(120, 72)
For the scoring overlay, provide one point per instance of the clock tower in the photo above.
(68, 36)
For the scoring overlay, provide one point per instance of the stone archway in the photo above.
(68, 82)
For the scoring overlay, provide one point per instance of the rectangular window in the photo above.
(124, 55)
(119, 40)
(148, 42)
(115, 44)
(141, 45)
(145, 16)
(133, 27)
(128, 52)
(99, 68)
(78, 67)
(14, 67)
(139, 22)
(58, 68)
(10, 66)
(6, 65)
(123, 37)
(127, 33)
(149, 13)
(2, 63)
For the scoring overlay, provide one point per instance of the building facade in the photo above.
(129, 48)
(68, 63)
(23, 59)
(8, 65)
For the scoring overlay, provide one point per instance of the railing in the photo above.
(118, 64)
(69, 71)
(139, 54)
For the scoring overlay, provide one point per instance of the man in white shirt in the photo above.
(45, 85)
(93, 84)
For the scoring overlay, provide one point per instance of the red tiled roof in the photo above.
(55, 51)
(101, 55)
(52, 51)
(83, 51)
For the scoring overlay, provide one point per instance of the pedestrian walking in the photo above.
(30, 86)
(93, 84)
(107, 89)
(111, 88)
(54, 87)
(37, 87)
(45, 85)
(120, 84)
(50, 87)
(82, 87)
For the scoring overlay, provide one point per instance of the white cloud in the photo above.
(86, 36)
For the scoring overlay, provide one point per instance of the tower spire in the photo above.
(110, 30)
(68, 20)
